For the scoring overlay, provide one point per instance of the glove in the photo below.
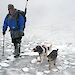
(21, 33)
(3, 33)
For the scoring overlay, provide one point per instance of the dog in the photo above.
(52, 58)
(42, 50)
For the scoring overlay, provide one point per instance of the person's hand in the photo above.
(21, 33)
(3, 33)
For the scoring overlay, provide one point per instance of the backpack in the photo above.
(23, 14)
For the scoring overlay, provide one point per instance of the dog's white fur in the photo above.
(44, 54)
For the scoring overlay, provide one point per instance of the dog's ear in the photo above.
(37, 47)
(33, 48)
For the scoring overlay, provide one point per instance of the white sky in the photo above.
(45, 15)
(44, 11)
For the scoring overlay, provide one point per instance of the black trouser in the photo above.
(17, 45)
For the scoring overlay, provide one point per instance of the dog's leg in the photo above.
(39, 59)
(49, 62)
(42, 57)
(45, 56)
(55, 62)
(49, 65)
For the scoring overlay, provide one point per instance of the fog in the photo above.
(46, 19)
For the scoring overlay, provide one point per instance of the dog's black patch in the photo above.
(38, 49)
(53, 54)
(44, 48)
(48, 48)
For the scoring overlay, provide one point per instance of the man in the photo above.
(15, 22)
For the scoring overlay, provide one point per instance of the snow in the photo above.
(26, 46)
(4, 64)
(34, 61)
(48, 22)
(11, 58)
(6, 61)
(39, 73)
(73, 64)
(27, 74)
(66, 73)
(54, 69)
(25, 69)
(66, 62)
(30, 53)
(0, 67)
(9, 50)
(59, 67)
(46, 71)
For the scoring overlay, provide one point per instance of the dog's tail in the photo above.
(50, 47)
(57, 49)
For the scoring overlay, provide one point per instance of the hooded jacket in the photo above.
(12, 23)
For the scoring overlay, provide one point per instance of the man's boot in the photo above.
(17, 50)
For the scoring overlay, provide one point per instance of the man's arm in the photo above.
(5, 26)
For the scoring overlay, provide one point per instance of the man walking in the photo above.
(15, 22)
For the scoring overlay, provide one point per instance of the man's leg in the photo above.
(17, 46)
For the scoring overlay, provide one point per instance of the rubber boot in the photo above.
(17, 50)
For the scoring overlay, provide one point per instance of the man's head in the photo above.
(11, 9)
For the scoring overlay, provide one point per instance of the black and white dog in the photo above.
(42, 50)
(52, 58)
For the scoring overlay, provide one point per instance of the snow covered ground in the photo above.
(28, 65)
(49, 21)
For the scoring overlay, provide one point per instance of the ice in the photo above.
(32, 68)
(9, 46)
(26, 49)
(66, 73)
(25, 69)
(0, 67)
(30, 53)
(27, 74)
(31, 48)
(4, 64)
(46, 71)
(33, 53)
(54, 69)
(11, 58)
(30, 42)
(35, 44)
(73, 49)
(39, 73)
(26, 46)
(34, 61)
(66, 62)
(65, 67)
(60, 67)
(73, 64)
(22, 74)
(9, 50)
(6, 61)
